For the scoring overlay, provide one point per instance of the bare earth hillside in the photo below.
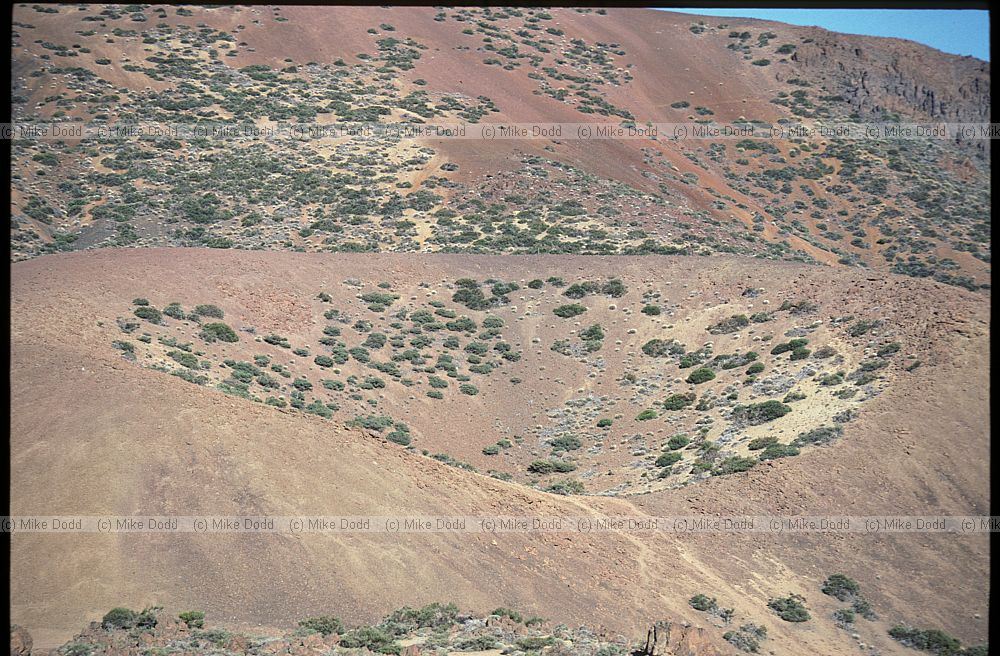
(125, 439)
(258, 320)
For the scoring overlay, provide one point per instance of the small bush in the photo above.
(702, 375)
(818, 436)
(759, 443)
(668, 459)
(775, 451)
(211, 311)
(703, 603)
(747, 638)
(843, 616)
(569, 311)
(840, 586)
(931, 640)
(119, 618)
(658, 348)
(566, 443)
(148, 313)
(678, 441)
(550, 466)
(372, 638)
(218, 331)
(195, 619)
(760, 413)
(678, 401)
(791, 608)
(733, 465)
(730, 325)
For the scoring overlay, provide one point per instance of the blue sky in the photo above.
(960, 32)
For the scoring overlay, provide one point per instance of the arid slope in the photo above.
(92, 433)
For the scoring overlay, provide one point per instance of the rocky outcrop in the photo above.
(671, 639)
(20, 641)
(878, 75)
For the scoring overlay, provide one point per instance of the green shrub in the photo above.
(569, 311)
(475, 643)
(174, 311)
(400, 437)
(184, 359)
(789, 346)
(550, 466)
(508, 613)
(930, 640)
(534, 643)
(702, 375)
(775, 451)
(819, 436)
(124, 618)
(678, 441)
(468, 388)
(195, 619)
(435, 616)
(148, 313)
(604, 423)
(372, 422)
(567, 487)
(679, 401)
(651, 310)
(864, 608)
(840, 586)
(760, 413)
(888, 349)
(218, 331)
(759, 443)
(324, 624)
(668, 459)
(119, 618)
(703, 603)
(277, 340)
(791, 608)
(658, 348)
(646, 415)
(566, 443)
(844, 616)
(730, 325)
(371, 638)
(799, 353)
(211, 311)
(733, 465)
(747, 638)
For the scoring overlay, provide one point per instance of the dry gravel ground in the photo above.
(92, 433)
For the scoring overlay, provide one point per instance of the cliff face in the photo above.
(896, 76)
